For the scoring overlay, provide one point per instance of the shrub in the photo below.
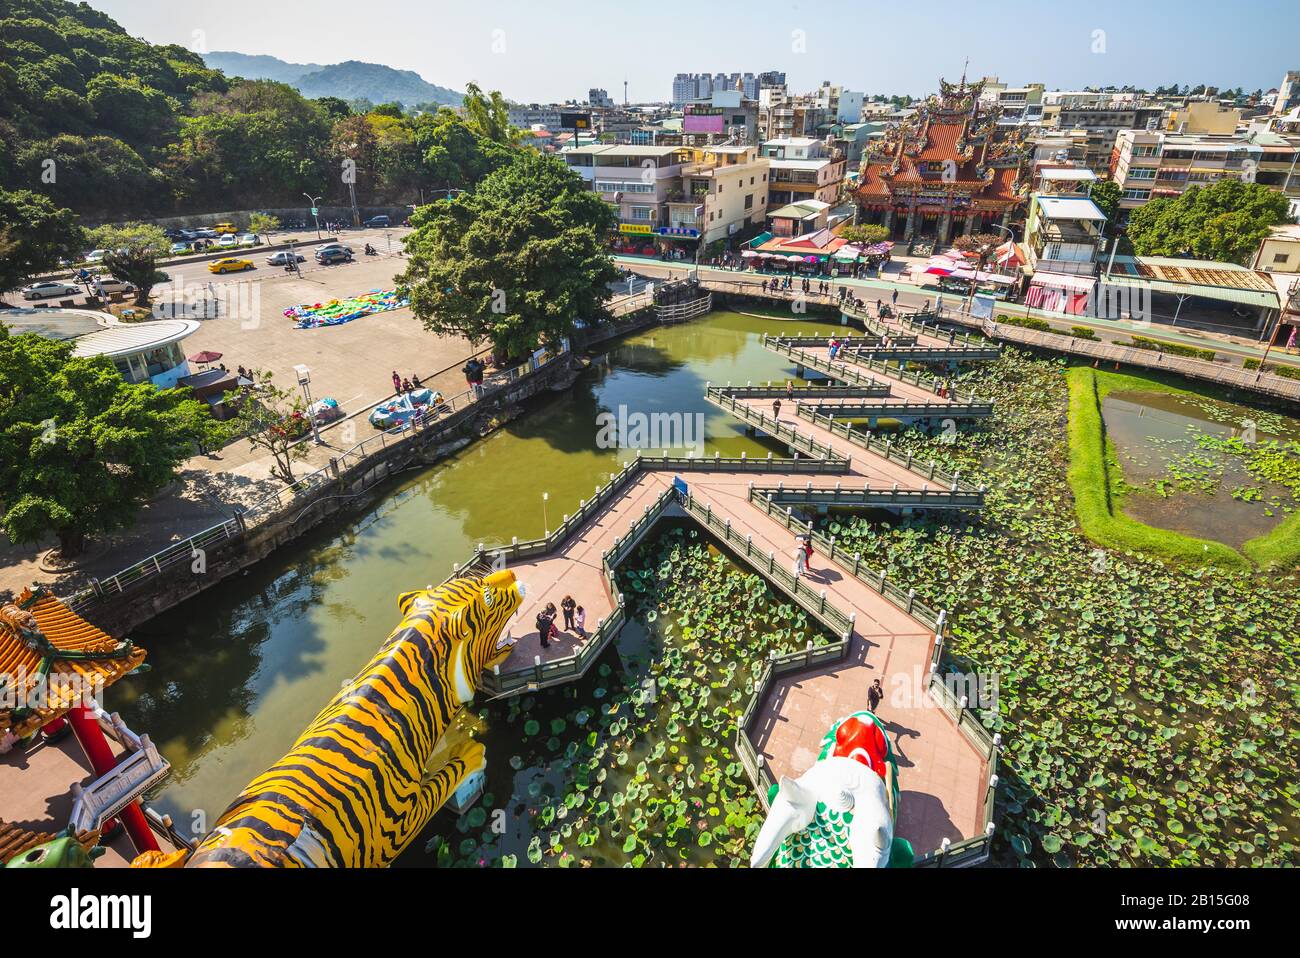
(1083, 332)
(1027, 322)
(1173, 349)
(1286, 372)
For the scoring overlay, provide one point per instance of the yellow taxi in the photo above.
(230, 265)
(225, 228)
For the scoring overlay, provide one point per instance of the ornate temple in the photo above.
(945, 171)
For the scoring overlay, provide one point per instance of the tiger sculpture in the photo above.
(353, 791)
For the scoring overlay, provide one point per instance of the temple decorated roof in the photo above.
(51, 659)
(948, 146)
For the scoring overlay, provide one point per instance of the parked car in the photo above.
(250, 239)
(226, 229)
(49, 290)
(179, 248)
(284, 258)
(105, 285)
(230, 265)
(335, 254)
(96, 255)
(228, 241)
(378, 221)
(206, 233)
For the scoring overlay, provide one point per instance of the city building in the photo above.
(698, 86)
(1016, 106)
(798, 219)
(1102, 122)
(1148, 165)
(678, 193)
(727, 115)
(1064, 235)
(945, 171)
(1203, 117)
(1288, 94)
(597, 97)
(1279, 252)
(804, 169)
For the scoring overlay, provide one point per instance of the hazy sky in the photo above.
(551, 50)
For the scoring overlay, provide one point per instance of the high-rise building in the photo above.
(1288, 94)
(598, 97)
(699, 86)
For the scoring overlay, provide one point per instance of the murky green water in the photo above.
(240, 670)
(1202, 467)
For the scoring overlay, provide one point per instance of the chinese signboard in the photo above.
(640, 229)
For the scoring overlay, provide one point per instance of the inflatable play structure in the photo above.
(336, 312)
(356, 788)
(840, 813)
(399, 411)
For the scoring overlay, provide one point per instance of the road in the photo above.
(912, 296)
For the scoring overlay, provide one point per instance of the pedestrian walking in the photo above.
(875, 695)
(568, 607)
(894, 298)
(807, 553)
(776, 409)
(581, 618)
(800, 559)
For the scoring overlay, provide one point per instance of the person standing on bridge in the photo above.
(789, 390)
(800, 559)
(567, 606)
(875, 695)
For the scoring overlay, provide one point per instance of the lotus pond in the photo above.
(1204, 467)
(635, 764)
(1148, 712)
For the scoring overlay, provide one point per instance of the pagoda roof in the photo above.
(38, 630)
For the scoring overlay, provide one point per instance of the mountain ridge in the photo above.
(349, 80)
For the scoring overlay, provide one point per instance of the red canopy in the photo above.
(205, 357)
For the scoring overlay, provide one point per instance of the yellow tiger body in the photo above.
(355, 789)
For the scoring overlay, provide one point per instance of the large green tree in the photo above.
(1224, 221)
(80, 448)
(34, 235)
(132, 255)
(516, 261)
(1105, 193)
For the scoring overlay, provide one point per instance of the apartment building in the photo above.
(1102, 122)
(1019, 106)
(782, 116)
(726, 115)
(1151, 164)
(804, 168)
(696, 86)
(1288, 94)
(1204, 118)
(1064, 234)
(676, 193)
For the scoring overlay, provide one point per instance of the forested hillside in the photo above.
(113, 127)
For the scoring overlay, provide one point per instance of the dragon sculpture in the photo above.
(840, 813)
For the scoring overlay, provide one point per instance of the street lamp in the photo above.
(546, 523)
(315, 210)
(304, 380)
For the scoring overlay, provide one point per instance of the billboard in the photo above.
(575, 121)
(703, 123)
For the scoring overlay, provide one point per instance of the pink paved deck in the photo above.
(943, 775)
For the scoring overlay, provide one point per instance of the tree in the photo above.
(34, 236)
(984, 246)
(132, 255)
(489, 116)
(263, 224)
(868, 234)
(1105, 193)
(273, 419)
(80, 448)
(1224, 221)
(514, 262)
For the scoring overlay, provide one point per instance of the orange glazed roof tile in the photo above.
(40, 634)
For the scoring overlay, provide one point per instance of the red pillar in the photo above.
(91, 736)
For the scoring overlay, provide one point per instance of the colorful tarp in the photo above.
(335, 312)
